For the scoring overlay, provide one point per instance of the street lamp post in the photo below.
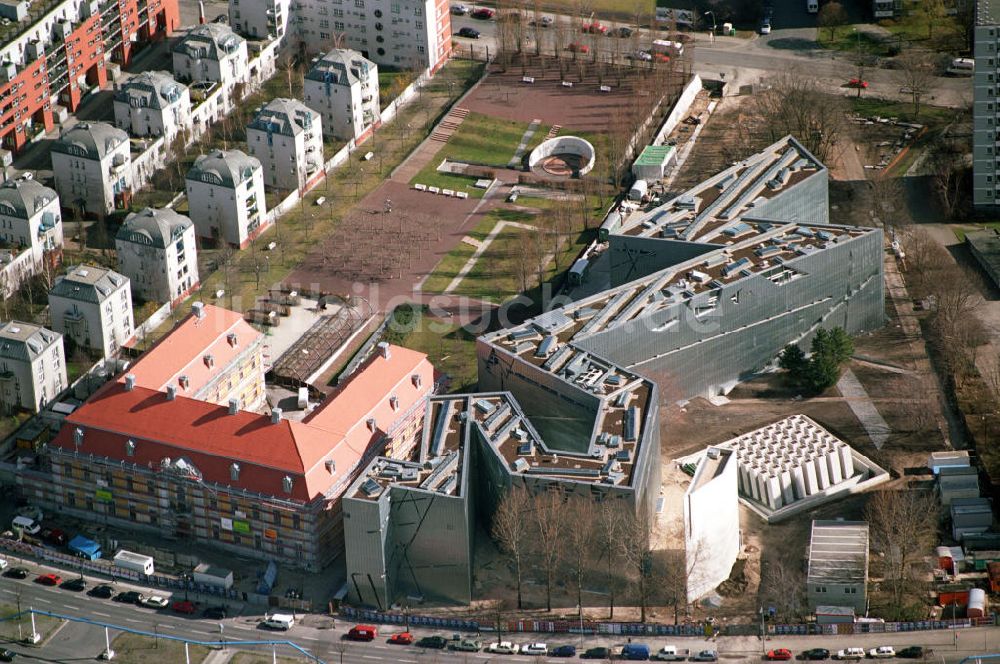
(712, 14)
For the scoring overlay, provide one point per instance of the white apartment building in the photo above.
(342, 86)
(212, 52)
(410, 34)
(92, 166)
(31, 232)
(287, 138)
(157, 253)
(225, 191)
(986, 107)
(93, 307)
(32, 366)
(152, 104)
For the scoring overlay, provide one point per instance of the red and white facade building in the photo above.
(55, 60)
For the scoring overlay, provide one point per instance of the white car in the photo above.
(643, 56)
(3, 563)
(535, 649)
(850, 653)
(154, 602)
(503, 648)
(459, 10)
(882, 652)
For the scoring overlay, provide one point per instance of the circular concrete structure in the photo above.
(562, 157)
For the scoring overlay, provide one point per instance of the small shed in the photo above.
(957, 482)
(578, 271)
(951, 458)
(653, 162)
(210, 575)
(970, 516)
(84, 547)
(834, 615)
(638, 190)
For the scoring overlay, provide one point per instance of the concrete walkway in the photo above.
(863, 408)
(515, 161)
(483, 246)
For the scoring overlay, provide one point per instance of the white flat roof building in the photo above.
(838, 565)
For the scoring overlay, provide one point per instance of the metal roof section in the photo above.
(794, 465)
(88, 283)
(838, 552)
(24, 341)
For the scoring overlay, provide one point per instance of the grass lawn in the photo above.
(450, 348)
(252, 271)
(8, 628)
(430, 176)
(913, 28)
(483, 139)
(135, 649)
(961, 230)
(929, 115)
(391, 84)
(257, 658)
(845, 38)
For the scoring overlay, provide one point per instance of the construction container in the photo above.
(977, 603)
(945, 561)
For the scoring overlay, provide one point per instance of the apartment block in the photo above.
(158, 254)
(342, 86)
(256, 485)
(211, 52)
(225, 189)
(986, 106)
(32, 367)
(287, 138)
(152, 104)
(52, 61)
(92, 306)
(409, 34)
(31, 232)
(92, 167)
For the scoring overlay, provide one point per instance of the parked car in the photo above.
(79, 584)
(850, 653)
(503, 648)
(101, 592)
(765, 26)
(535, 649)
(563, 651)
(543, 22)
(54, 537)
(215, 613)
(17, 573)
(779, 654)
(401, 638)
(468, 33)
(882, 652)
(49, 579)
(3, 563)
(914, 652)
(642, 56)
(185, 606)
(599, 652)
(595, 28)
(435, 642)
(128, 597)
(857, 83)
(577, 47)
(816, 653)
(466, 645)
(635, 652)
(624, 32)
(671, 653)
(483, 13)
(459, 10)
(154, 602)
(7, 655)
(706, 656)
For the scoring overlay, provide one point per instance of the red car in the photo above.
(779, 654)
(185, 606)
(483, 13)
(362, 633)
(401, 639)
(661, 57)
(49, 579)
(857, 83)
(577, 47)
(595, 28)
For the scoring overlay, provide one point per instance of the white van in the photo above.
(962, 67)
(282, 621)
(26, 524)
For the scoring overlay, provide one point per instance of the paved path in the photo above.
(863, 408)
(483, 246)
(515, 161)
(430, 146)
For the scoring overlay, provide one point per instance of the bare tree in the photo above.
(948, 175)
(915, 75)
(579, 543)
(933, 11)
(831, 16)
(550, 523)
(782, 583)
(889, 200)
(903, 525)
(509, 531)
(609, 530)
(639, 558)
(794, 104)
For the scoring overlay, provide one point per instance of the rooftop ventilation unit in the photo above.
(275, 415)
(234, 406)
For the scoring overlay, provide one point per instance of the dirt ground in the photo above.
(582, 108)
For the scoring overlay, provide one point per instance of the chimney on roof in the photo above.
(234, 406)
(275, 415)
(199, 310)
(232, 339)
(383, 349)
(129, 382)
(371, 424)
(417, 380)
(171, 392)
(331, 466)
(209, 361)
(184, 381)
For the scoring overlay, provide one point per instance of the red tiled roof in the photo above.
(182, 352)
(212, 439)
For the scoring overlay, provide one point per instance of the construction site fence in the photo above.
(656, 629)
